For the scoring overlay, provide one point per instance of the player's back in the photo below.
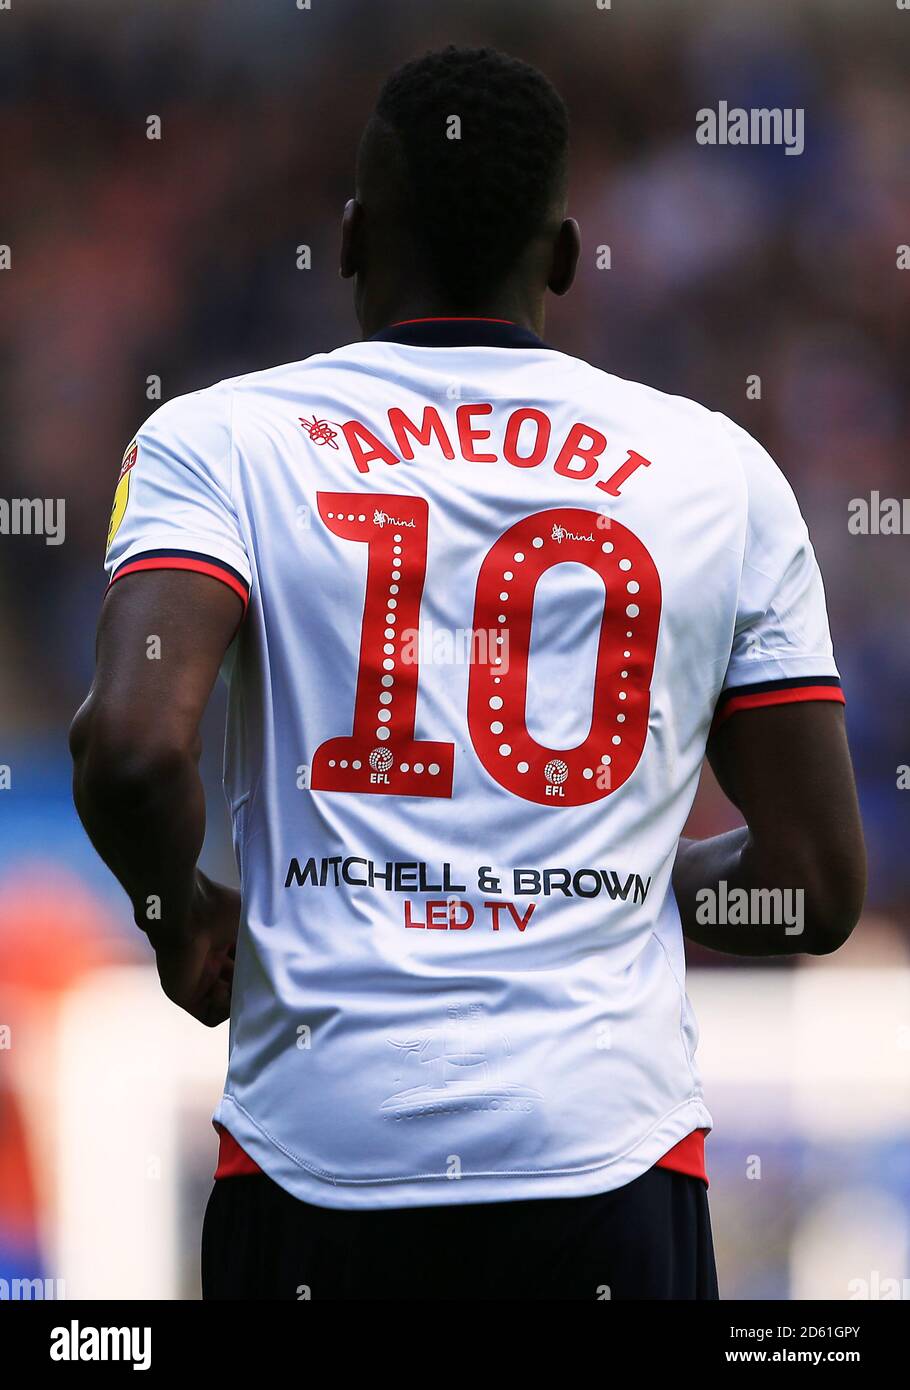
(494, 597)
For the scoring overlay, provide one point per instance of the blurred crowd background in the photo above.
(136, 259)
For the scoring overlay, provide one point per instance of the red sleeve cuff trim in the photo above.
(198, 564)
(795, 695)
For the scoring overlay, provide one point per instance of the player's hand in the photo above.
(196, 969)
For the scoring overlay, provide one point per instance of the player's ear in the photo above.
(351, 234)
(566, 251)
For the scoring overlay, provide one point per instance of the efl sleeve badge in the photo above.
(122, 492)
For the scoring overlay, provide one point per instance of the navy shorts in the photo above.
(648, 1240)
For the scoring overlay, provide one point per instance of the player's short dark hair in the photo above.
(478, 200)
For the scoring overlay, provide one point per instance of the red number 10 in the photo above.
(381, 753)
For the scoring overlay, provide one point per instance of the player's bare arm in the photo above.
(788, 770)
(135, 745)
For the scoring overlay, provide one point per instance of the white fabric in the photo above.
(382, 1053)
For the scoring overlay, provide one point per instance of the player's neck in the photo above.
(508, 307)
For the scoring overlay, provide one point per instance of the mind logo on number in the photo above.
(381, 518)
(560, 534)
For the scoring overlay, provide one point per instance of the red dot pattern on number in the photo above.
(385, 706)
(624, 664)
(381, 754)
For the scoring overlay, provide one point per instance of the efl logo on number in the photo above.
(381, 760)
(556, 772)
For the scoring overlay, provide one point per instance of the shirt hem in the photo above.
(326, 1190)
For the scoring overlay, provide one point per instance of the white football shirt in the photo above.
(496, 598)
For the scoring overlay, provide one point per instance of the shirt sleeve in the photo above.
(173, 507)
(781, 650)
